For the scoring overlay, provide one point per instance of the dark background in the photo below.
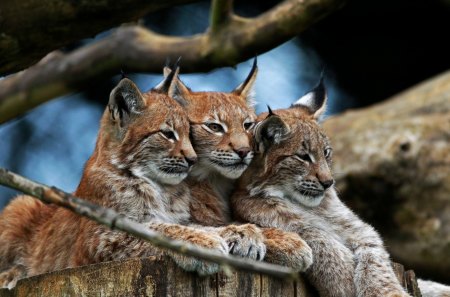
(371, 50)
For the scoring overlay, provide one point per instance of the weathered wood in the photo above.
(154, 276)
(411, 284)
(392, 165)
(407, 279)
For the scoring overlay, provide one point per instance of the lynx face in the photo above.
(220, 127)
(152, 134)
(220, 132)
(296, 154)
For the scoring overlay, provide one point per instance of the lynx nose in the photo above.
(242, 152)
(191, 160)
(327, 183)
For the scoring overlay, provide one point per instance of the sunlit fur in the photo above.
(281, 190)
(287, 175)
(217, 151)
(219, 165)
(133, 170)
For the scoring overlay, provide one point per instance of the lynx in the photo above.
(220, 130)
(142, 154)
(289, 185)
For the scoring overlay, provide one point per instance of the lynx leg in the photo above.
(332, 271)
(287, 248)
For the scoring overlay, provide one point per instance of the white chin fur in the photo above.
(172, 179)
(307, 201)
(231, 173)
(159, 176)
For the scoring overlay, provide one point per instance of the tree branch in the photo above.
(221, 11)
(32, 28)
(115, 220)
(136, 49)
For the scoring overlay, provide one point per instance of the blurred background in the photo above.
(370, 50)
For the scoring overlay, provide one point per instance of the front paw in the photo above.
(208, 241)
(245, 241)
(288, 249)
(9, 278)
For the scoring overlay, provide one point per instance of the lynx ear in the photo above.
(167, 83)
(125, 99)
(271, 131)
(315, 101)
(178, 90)
(245, 89)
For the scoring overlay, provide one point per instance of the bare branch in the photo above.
(115, 220)
(221, 11)
(30, 29)
(136, 49)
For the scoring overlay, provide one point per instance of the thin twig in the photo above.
(111, 218)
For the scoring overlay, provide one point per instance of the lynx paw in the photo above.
(287, 248)
(245, 241)
(208, 241)
(9, 278)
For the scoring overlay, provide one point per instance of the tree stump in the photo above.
(153, 276)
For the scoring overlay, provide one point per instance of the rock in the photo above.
(392, 166)
(153, 276)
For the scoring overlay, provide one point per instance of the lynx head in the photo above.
(147, 134)
(295, 154)
(220, 127)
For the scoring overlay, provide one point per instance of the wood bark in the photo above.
(392, 166)
(154, 276)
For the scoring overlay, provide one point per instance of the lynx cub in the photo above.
(289, 186)
(220, 129)
(142, 154)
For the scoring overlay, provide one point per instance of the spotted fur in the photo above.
(142, 154)
(220, 130)
(289, 185)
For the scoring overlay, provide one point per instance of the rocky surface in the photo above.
(392, 166)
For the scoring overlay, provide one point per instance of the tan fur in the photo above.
(289, 186)
(211, 183)
(142, 153)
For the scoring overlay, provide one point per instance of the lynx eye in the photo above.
(248, 125)
(168, 134)
(304, 157)
(327, 152)
(214, 127)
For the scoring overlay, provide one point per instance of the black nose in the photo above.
(327, 183)
(191, 160)
(242, 152)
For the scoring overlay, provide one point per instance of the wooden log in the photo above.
(407, 279)
(153, 276)
(392, 166)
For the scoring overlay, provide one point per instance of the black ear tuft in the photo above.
(314, 101)
(245, 89)
(165, 85)
(271, 131)
(122, 74)
(125, 99)
(270, 111)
